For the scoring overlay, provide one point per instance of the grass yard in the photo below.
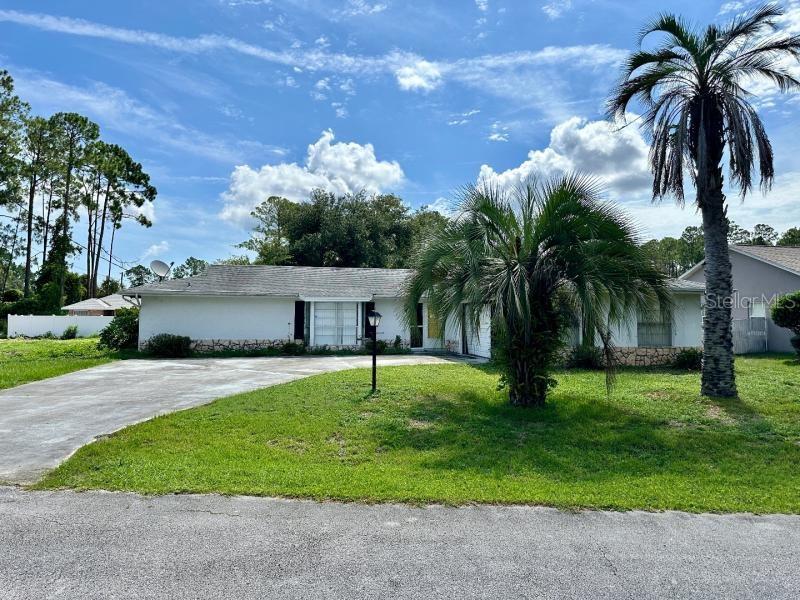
(22, 361)
(443, 433)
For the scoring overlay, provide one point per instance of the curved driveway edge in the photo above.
(121, 545)
(44, 422)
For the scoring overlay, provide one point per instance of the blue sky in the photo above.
(228, 101)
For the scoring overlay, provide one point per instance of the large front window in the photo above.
(654, 330)
(336, 323)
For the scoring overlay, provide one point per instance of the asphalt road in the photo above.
(110, 545)
(44, 422)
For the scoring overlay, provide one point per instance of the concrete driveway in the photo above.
(111, 545)
(43, 423)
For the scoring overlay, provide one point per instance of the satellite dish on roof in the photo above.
(160, 268)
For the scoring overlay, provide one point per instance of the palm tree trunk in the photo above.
(718, 378)
(527, 375)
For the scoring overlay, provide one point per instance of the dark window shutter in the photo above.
(299, 319)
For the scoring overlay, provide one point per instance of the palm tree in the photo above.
(696, 105)
(536, 257)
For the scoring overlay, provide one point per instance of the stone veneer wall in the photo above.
(648, 357)
(251, 345)
(225, 345)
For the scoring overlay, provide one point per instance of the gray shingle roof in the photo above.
(684, 285)
(785, 257)
(264, 280)
(305, 282)
(113, 301)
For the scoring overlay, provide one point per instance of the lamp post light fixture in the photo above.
(374, 319)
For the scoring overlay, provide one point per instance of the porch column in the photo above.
(311, 338)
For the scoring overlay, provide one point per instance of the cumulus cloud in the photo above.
(156, 250)
(338, 167)
(418, 75)
(443, 206)
(618, 156)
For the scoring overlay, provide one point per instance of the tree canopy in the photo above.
(339, 231)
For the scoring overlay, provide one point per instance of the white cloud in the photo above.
(790, 21)
(483, 5)
(515, 75)
(499, 133)
(443, 206)
(116, 110)
(556, 8)
(419, 75)
(340, 110)
(156, 250)
(735, 6)
(618, 156)
(336, 167)
(347, 87)
(357, 8)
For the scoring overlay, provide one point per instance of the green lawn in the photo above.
(22, 361)
(445, 434)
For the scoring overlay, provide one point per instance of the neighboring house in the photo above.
(257, 306)
(106, 306)
(760, 275)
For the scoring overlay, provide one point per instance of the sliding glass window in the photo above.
(336, 323)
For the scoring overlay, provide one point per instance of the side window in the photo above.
(758, 309)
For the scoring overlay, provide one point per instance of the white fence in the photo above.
(749, 335)
(38, 325)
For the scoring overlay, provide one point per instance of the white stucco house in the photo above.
(257, 305)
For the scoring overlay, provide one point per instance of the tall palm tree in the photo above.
(536, 257)
(693, 88)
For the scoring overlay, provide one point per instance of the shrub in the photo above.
(70, 333)
(167, 345)
(293, 348)
(398, 343)
(382, 345)
(786, 313)
(585, 357)
(123, 331)
(12, 295)
(689, 359)
(48, 335)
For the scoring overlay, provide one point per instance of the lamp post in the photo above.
(374, 320)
